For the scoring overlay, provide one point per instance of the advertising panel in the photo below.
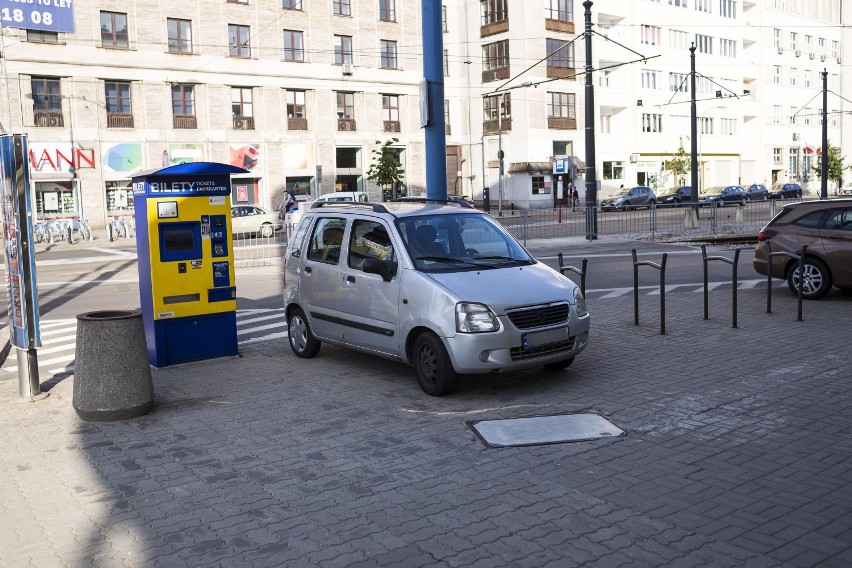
(43, 15)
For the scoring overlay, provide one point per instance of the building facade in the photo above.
(300, 93)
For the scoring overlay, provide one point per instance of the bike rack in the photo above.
(734, 263)
(662, 268)
(801, 286)
(581, 272)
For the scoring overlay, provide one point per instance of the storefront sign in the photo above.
(123, 158)
(246, 156)
(59, 158)
(44, 15)
(184, 154)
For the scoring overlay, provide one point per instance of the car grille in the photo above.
(519, 354)
(539, 316)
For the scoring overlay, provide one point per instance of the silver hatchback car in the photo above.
(444, 288)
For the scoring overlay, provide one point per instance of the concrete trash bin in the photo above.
(112, 377)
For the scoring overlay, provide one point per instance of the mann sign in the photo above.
(43, 15)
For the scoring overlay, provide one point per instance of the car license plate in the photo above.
(539, 338)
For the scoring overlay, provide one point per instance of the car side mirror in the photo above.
(376, 266)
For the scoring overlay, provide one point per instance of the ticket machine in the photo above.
(186, 262)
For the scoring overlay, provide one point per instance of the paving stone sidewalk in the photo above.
(738, 452)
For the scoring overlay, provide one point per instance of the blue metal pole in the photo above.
(433, 75)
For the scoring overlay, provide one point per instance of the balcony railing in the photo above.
(392, 126)
(494, 126)
(561, 123)
(494, 28)
(119, 120)
(495, 74)
(559, 26)
(243, 122)
(561, 72)
(48, 119)
(346, 124)
(185, 122)
(297, 124)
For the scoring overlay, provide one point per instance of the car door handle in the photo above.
(307, 270)
(350, 278)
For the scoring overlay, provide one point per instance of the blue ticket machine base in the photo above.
(186, 262)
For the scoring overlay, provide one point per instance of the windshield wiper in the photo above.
(503, 259)
(448, 260)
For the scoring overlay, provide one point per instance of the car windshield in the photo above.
(622, 191)
(712, 190)
(455, 243)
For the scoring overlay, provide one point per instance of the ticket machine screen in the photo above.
(180, 241)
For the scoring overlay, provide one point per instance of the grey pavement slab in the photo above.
(737, 452)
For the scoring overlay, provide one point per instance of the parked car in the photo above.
(826, 227)
(461, 199)
(630, 198)
(360, 196)
(253, 220)
(757, 192)
(721, 195)
(434, 286)
(675, 196)
(846, 190)
(786, 191)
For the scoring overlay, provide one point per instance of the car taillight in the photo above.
(766, 234)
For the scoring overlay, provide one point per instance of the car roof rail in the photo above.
(375, 207)
(429, 200)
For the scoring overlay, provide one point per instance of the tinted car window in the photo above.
(812, 220)
(839, 219)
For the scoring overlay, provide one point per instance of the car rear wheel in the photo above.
(817, 281)
(559, 365)
(432, 365)
(266, 230)
(302, 341)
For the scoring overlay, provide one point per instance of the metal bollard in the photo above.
(734, 263)
(662, 268)
(580, 271)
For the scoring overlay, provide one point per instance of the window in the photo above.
(794, 41)
(705, 125)
(388, 54)
(180, 35)
(342, 7)
(447, 116)
(291, 4)
(806, 116)
(113, 29)
(561, 10)
(238, 41)
(678, 3)
(678, 83)
(728, 126)
(776, 114)
(491, 103)
(39, 36)
(793, 117)
(794, 75)
(807, 80)
(118, 107)
(47, 102)
(296, 117)
(494, 11)
(604, 76)
(183, 106)
(560, 54)
(678, 39)
(776, 155)
(809, 44)
(651, 79)
(650, 35)
(325, 243)
(446, 63)
(444, 19)
(495, 55)
(613, 170)
(822, 47)
(703, 43)
(538, 185)
(242, 108)
(294, 48)
(652, 122)
(370, 239)
(835, 48)
(342, 50)
(776, 75)
(561, 110)
(703, 5)
(387, 11)
(793, 163)
(390, 112)
(728, 8)
(728, 48)
(346, 105)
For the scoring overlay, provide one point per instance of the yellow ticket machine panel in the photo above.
(186, 262)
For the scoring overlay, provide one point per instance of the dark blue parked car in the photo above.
(786, 191)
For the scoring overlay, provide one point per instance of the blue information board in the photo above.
(42, 15)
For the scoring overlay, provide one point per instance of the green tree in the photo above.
(680, 164)
(386, 169)
(835, 164)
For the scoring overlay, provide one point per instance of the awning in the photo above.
(520, 167)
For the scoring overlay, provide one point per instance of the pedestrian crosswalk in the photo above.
(59, 338)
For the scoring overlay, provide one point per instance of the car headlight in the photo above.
(472, 317)
(580, 302)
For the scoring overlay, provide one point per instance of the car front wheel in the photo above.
(432, 365)
(817, 280)
(302, 341)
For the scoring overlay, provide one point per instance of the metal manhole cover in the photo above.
(540, 430)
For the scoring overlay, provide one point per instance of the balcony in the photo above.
(494, 126)
(392, 126)
(297, 124)
(562, 72)
(494, 28)
(559, 26)
(560, 123)
(346, 125)
(185, 122)
(48, 119)
(495, 74)
(119, 120)
(243, 122)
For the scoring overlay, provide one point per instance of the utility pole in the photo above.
(693, 131)
(591, 179)
(823, 163)
(432, 108)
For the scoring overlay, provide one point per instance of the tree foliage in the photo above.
(386, 168)
(835, 164)
(680, 163)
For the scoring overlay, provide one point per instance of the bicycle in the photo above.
(43, 231)
(119, 228)
(82, 226)
(63, 228)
